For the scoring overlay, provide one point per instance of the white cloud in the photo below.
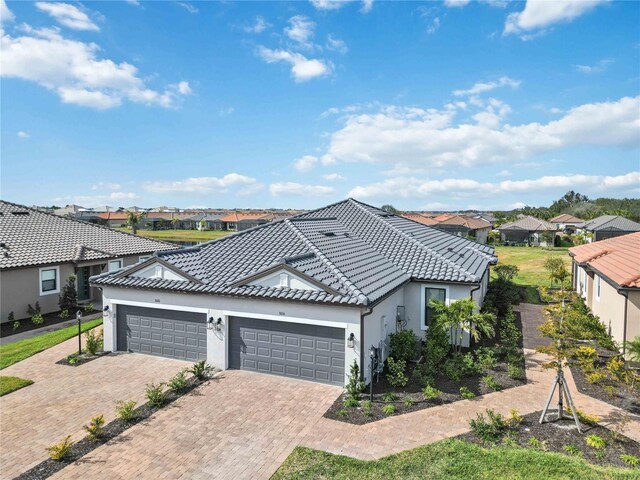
(333, 177)
(336, 44)
(202, 185)
(430, 138)
(305, 163)
(106, 186)
(6, 15)
(259, 26)
(68, 15)
(482, 87)
(23, 135)
(298, 189)
(189, 7)
(599, 67)
(300, 30)
(431, 17)
(434, 206)
(72, 69)
(504, 173)
(456, 3)
(135, 3)
(538, 15)
(99, 200)
(223, 112)
(328, 4)
(367, 5)
(302, 68)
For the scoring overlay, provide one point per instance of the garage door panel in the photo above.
(291, 349)
(166, 333)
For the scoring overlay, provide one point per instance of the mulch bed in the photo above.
(53, 318)
(112, 430)
(554, 435)
(623, 396)
(81, 359)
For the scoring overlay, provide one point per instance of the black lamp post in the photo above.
(372, 355)
(79, 318)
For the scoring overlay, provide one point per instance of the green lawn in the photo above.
(179, 235)
(448, 459)
(17, 351)
(11, 384)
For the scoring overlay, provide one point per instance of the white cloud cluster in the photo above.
(106, 186)
(599, 67)
(333, 177)
(72, 69)
(6, 15)
(305, 163)
(482, 87)
(189, 7)
(301, 31)
(204, 185)
(302, 68)
(328, 5)
(23, 135)
(68, 15)
(281, 189)
(336, 44)
(258, 26)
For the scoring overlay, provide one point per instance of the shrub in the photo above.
(431, 393)
(585, 418)
(515, 418)
(68, 299)
(586, 355)
(11, 317)
(37, 319)
(466, 393)
(408, 402)
(435, 350)
(491, 383)
(537, 444)
(94, 341)
(64, 314)
(343, 413)
(395, 372)
(630, 460)
(490, 429)
(201, 370)
(596, 441)
(61, 450)
(615, 367)
(178, 382)
(423, 374)
(15, 325)
(31, 311)
(95, 429)
(469, 365)
(155, 394)
(597, 376)
(506, 272)
(389, 409)
(486, 358)
(354, 384)
(515, 372)
(572, 450)
(351, 402)
(73, 358)
(366, 408)
(89, 308)
(509, 333)
(125, 410)
(453, 368)
(389, 397)
(402, 345)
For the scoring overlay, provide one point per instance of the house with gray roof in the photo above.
(302, 297)
(528, 230)
(39, 251)
(609, 226)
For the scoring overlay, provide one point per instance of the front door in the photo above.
(84, 290)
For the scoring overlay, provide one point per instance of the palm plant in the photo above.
(459, 315)
(133, 219)
(633, 349)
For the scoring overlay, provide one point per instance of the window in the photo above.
(284, 280)
(49, 280)
(115, 265)
(597, 288)
(142, 258)
(432, 293)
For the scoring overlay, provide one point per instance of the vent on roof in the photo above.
(19, 213)
(346, 234)
(329, 234)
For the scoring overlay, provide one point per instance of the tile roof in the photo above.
(616, 258)
(237, 216)
(30, 237)
(360, 252)
(420, 218)
(528, 223)
(566, 218)
(469, 222)
(612, 222)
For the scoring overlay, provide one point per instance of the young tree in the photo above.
(390, 209)
(174, 222)
(633, 349)
(506, 272)
(68, 300)
(557, 270)
(133, 219)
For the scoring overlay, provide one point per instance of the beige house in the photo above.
(39, 251)
(607, 275)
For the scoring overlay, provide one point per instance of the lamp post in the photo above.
(372, 355)
(79, 318)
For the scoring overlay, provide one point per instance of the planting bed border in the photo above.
(628, 403)
(86, 358)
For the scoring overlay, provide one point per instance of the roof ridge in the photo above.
(341, 277)
(413, 240)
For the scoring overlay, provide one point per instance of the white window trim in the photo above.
(423, 294)
(115, 260)
(49, 292)
(143, 258)
(598, 287)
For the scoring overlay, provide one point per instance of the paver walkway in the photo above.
(63, 398)
(532, 317)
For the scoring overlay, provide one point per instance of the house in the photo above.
(69, 210)
(112, 219)
(529, 230)
(302, 297)
(39, 251)
(465, 226)
(487, 217)
(237, 221)
(607, 275)
(420, 218)
(206, 221)
(567, 223)
(609, 226)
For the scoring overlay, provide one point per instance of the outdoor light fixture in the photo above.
(106, 309)
(219, 324)
(351, 340)
(79, 319)
(373, 352)
(210, 323)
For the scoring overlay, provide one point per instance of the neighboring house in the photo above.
(420, 218)
(529, 230)
(567, 223)
(237, 221)
(302, 297)
(169, 221)
(113, 219)
(609, 226)
(487, 217)
(206, 221)
(39, 251)
(464, 226)
(607, 275)
(69, 210)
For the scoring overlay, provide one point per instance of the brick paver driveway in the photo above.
(63, 398)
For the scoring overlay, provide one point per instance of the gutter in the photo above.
(625, 294)
(368, 311)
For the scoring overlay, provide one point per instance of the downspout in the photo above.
(369, 311)
(471, 296)
(625, 294)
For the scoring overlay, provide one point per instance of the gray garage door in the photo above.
(291, 349)
(166, 333)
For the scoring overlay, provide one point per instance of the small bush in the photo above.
(64, 314)
(515, 418)
(431, 393)
(366, 408)
(395, 372)
(95, 429)
(453, 368)
(466, 393)
(354, 384)
(68, 299)
(15, 325)
(389, 409)
(11, 317)
(61, 450)
(572, 450)
(350, 402)
(178, 382)
(155, 394)
(486, 358)
(423, 374)
(491, 383)
(73, 358)
(89, 308)
(489, 429)
(585, 418)
(537, 444)
(201, 370)
(93, 341)
(125, 410)
(31, 311)
(408, 402)
(37, 319)
(630, 460)
(596, 441)
(596, 377)
(389, 397)
(402, 345)
(343, 413)
(516, 372)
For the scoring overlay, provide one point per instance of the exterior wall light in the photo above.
(210, 323)
(219, 324)
(106, 308)
(351, 340)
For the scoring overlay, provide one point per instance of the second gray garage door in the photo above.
(294, 350)
(167, 333)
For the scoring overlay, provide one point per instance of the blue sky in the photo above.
(430, 105)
